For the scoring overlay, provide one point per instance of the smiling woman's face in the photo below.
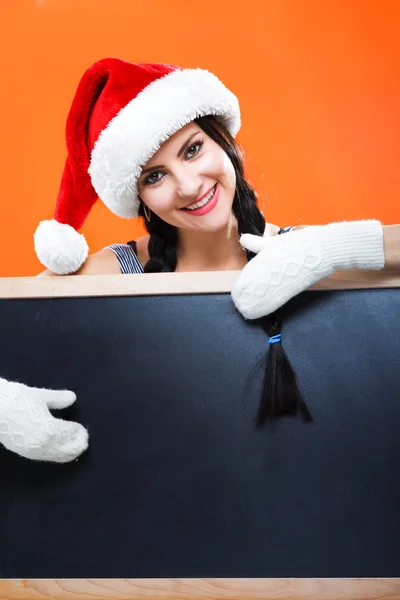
(189, 182)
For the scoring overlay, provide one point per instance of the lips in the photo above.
(200, 199)
(209, 204)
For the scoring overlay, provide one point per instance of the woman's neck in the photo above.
(217, 251)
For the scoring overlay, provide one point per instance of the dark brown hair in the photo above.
(280, 394)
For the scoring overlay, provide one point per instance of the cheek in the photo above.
(229, 171)
(159, 200)
(218, 165)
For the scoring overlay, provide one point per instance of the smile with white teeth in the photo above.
(202, 202)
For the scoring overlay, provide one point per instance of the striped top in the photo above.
(129, 262)
(127, 258)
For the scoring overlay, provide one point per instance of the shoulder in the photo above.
(103, 262)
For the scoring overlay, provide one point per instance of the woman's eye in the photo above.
(153, 178)
(190, 153)
(194, 149)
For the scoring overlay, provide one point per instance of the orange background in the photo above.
(318, 83)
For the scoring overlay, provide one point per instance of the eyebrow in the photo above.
(181, 151)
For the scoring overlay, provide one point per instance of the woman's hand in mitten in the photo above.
(288, 264)
(29, 429)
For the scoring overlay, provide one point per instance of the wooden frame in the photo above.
(185, 589)
(193, 589)
(203, 282)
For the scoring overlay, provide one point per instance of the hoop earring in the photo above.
(145, 209)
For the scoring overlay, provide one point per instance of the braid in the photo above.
(280, 393)
(162, 244)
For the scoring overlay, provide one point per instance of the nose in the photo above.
(188, 185)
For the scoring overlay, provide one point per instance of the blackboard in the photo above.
(178, 481)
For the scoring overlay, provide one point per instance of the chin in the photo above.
(217, 225)
(215, 220)
(220, 221)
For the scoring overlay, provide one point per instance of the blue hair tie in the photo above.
(286, 229)
(275, 339)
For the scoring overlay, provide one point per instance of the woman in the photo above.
(158, 141)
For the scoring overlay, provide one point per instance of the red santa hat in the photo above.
(120, 116)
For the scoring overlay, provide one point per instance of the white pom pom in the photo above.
(60, 247)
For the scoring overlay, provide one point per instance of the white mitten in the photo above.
(290, 263)
(28, 428)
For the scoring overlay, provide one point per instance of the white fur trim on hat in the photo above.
(137, 132)
(60, 247)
